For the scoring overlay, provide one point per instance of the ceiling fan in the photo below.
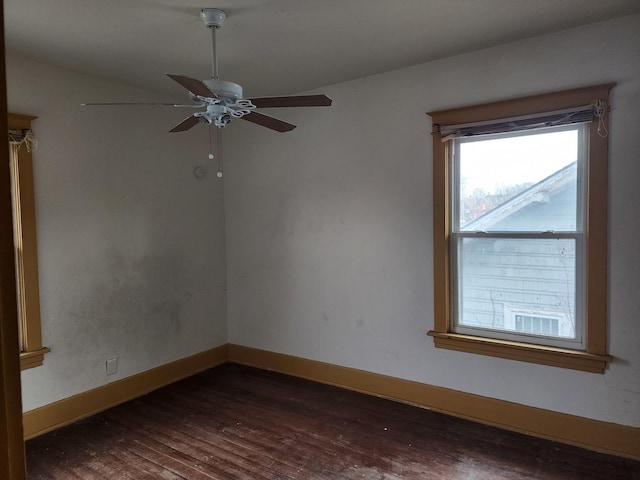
(222, 100)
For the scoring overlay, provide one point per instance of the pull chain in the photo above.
(219, 151)
(218, 148)
(211, 156)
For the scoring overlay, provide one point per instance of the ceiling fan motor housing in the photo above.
(228, 91)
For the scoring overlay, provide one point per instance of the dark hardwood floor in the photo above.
(235, 422)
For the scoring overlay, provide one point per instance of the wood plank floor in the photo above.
(239, 423)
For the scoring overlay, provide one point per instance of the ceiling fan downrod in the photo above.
(213, 18)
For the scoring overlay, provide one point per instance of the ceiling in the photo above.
(277, 46)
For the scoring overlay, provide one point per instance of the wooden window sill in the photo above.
(33, 359)
(525, 352)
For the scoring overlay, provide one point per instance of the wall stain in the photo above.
(130, 305)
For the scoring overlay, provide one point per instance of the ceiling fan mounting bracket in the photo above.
(213, 17)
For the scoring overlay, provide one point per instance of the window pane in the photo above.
(519, 182)
(518, 285)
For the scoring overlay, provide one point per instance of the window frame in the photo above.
(24, 221)
(594, 357)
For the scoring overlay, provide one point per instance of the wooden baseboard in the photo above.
(587, 433)
(68, 410)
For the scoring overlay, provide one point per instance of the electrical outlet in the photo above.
(112, 366)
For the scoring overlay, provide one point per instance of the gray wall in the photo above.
(329, 233)
(328, 227)
(130, 243)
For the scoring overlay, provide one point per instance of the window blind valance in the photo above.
(582, 114)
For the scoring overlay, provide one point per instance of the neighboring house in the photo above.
(524, 285)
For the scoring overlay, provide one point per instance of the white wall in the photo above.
(131, 244)
(329, 234)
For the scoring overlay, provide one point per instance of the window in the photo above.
(521, 246)
(24, 222)
(552, 324)
(520, 228)
(536, 325)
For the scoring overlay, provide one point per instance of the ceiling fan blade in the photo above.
(197, 87)
(138, 103)
(292, 101)
(269, 122)
(186, 124)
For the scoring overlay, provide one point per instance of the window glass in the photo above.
(515, 236)
(518, 182)
(497, 276)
